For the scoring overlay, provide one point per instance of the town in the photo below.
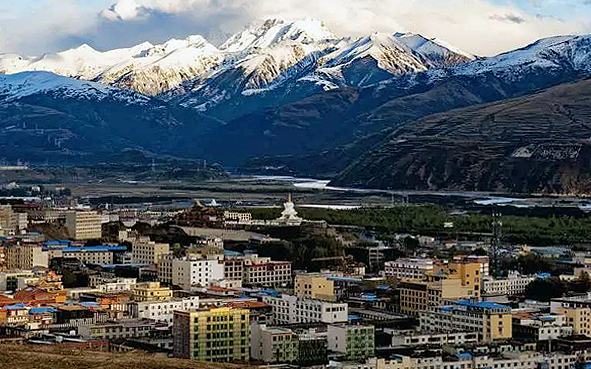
(197, 284)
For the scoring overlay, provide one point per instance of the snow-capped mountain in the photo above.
(434, 53)
(21, 85)
(264, 56)
(273, 31)
(144, 68)
(554, 54)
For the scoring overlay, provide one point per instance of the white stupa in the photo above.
(289, 215)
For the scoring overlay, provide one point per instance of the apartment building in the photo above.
(354, 342)
(409, 268)
(469, 271)
(191, 272)
(9, 281)
(315, 286)
(151, 291)
(11, 221)
(84, 225)
(516, 360)
(145, 251)
(493, 321)
(512, 285)
(213, 335)
(27, 256)
(267, 273)
(273, 345)
(234, 269)
(161, 311)
(540, 327)
(112, 331)
(414, 338)
(243, 218)
(92, 254)
(164, 268)
(578, 318)
(419, 297)
(289, 309)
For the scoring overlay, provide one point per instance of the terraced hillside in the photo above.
(537, 143)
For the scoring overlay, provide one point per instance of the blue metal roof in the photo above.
(18, 306)
(94, 248)
(482, 304)
(42, 310)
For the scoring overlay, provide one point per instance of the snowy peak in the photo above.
(561, 53)
(390, 55)
(273, 31)
(433, 52)
(21, 85)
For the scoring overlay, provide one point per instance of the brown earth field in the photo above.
(38, 357)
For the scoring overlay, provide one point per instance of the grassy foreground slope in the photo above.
(37, 357)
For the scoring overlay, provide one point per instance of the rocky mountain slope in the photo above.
(537, 143)
(49, 118)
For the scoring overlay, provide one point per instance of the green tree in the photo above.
(545, 289)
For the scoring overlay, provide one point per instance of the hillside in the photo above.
(536, 143)
(36, 357)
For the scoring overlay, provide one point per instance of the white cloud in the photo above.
(477, 26)
(123, 10)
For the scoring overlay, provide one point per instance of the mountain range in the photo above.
(280, 97)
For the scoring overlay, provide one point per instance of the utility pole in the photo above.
(496, 238)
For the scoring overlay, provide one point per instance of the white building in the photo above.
(289, 309)
(84, 225)
(89, 255)
(514, 284)
(189, 272)
(409, 268)
(241, 218)
(262, 271)
(161, 311)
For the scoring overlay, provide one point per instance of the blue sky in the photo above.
(483, 27)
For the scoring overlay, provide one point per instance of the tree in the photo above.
(581, 284)
(545, 289)
(479, 252)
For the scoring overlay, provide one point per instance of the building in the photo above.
(492, 321)
(418, 297)
(11, 221)
(577, 318)
(84, 225)
(145, 251)
(537, 327)
(265, 272)
(234, 269)
(191, 272)
(27, 256)
(113, 331)
(409, 268)
(9, 281)
(274, 345)
(161, 311)
(315, 286)
(354, 342)
(151, 291)
(165, 268)
(413, 338)
(289, 309)
(241, 218)
(92, 254)
(213, 335)
(514, 284)
(470, 272)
